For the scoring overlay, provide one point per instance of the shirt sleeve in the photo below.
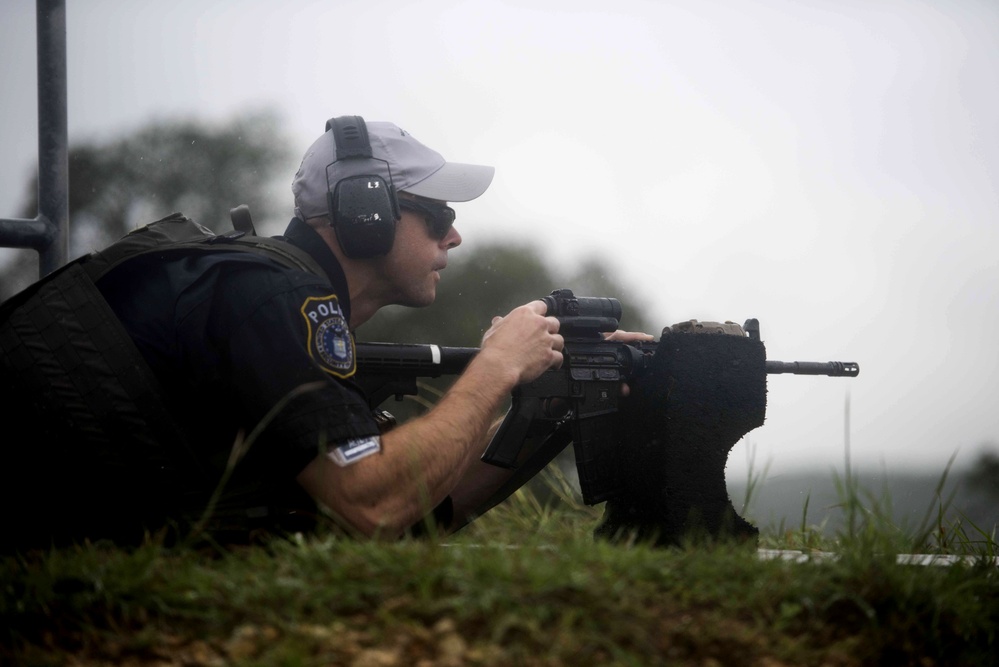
(290, 359)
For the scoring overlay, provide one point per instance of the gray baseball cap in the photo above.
(401, 160)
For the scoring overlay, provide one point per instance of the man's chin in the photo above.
(419, 300)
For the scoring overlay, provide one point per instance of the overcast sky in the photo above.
(829, 167)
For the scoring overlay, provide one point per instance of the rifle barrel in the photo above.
(830, 368)
(435, 360)
(426, 360)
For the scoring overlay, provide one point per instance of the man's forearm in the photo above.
(434, 453)
(421, 461)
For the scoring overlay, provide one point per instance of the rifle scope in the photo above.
(563, 303)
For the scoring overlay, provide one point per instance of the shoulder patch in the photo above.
(353, 451)
(329, 341)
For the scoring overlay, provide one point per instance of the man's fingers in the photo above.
(538, 307)
(628, 336)
(527, 338)
(558, 343)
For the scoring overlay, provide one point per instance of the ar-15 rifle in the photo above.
(580, 402)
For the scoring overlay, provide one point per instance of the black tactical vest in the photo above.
(96, 438)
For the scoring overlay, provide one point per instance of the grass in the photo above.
(525, 585)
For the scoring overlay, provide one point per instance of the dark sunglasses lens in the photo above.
(441, 221)
(439, 218)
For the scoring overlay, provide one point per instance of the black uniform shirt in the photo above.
(239, 341)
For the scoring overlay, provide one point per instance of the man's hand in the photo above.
(526, 341)
(628, 336)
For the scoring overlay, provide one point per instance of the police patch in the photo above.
(329, 341)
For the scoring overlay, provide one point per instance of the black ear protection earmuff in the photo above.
(363, 207)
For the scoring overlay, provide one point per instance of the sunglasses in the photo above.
(438, 217)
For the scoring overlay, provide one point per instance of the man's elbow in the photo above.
(364, 509)
(375, 522)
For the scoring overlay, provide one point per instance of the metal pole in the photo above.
(48, 231)
(53, 135)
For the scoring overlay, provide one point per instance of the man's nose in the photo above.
(452, 239)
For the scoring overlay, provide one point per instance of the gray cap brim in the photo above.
(454, 181)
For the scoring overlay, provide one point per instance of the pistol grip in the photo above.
(505, 447)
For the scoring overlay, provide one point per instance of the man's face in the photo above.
(412, 268)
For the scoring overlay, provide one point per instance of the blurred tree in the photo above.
(199, 169)
(490, 280)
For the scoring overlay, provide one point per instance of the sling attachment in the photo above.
(241, 220)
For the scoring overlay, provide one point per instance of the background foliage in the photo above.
(199, 169)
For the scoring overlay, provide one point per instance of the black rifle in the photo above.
(577, 403)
